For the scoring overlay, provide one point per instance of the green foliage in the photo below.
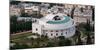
(20, 27)
(89, 39)
(20, 46)
(61, 37)
(50, 44)
(79, 41)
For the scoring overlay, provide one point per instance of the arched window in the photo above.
(61, 33)
(36, 29)
(56, 34)
(51, 34)
(56, 30)
(66, 33)
(51, 30)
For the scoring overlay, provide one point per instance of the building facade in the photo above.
(54, 25)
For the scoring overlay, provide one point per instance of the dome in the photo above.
(56, 21)
(57, 18)
(64, 20)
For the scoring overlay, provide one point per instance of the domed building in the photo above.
(54, 25)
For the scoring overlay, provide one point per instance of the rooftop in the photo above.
(66, 19)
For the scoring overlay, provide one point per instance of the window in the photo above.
(61, 33)
(56, 30)
(36, 29)
(72, 22)
(51, 34)
(51, 30)
(66, 33)
(56, 34)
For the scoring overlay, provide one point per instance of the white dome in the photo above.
(50, 23)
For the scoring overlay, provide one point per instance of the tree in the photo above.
(68, 42)
(63, 41)
(93, 12)
(20, 46)
(89, 39)
(13, 19)
(38, 40)
(32, 41)
(79, 42)
(13, 22)
(88, 25)
(81, 9)
(61, 37)
(50, 44)
(72, 12)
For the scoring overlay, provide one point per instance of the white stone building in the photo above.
(54, 25)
